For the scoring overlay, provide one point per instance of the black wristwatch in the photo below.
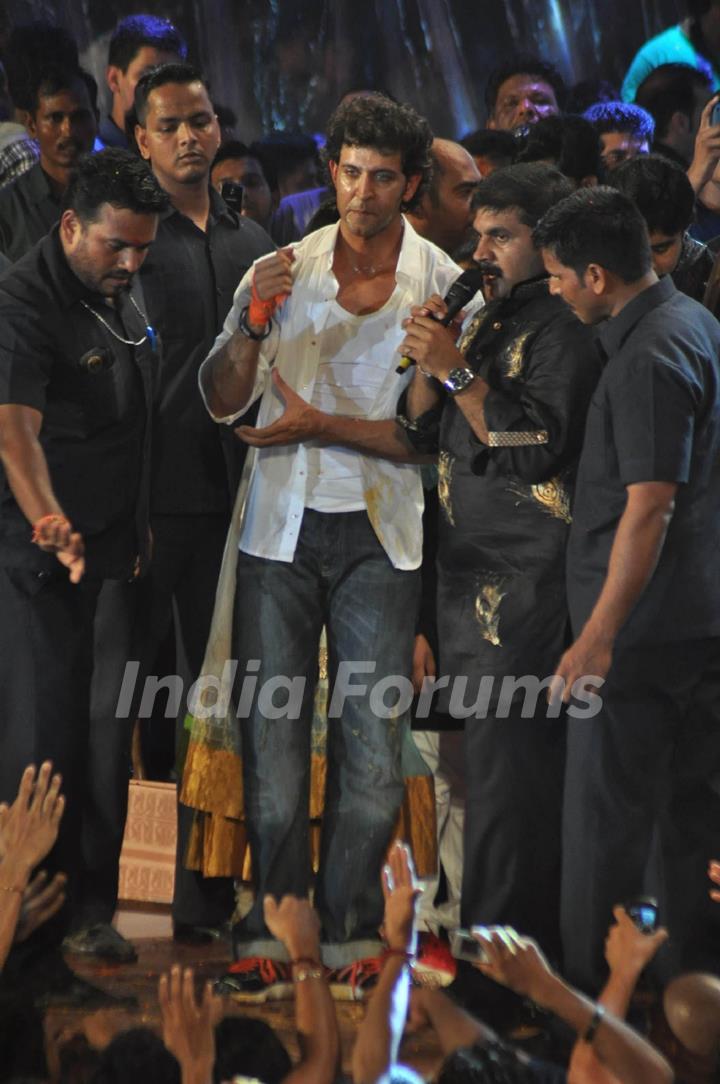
(458, 379)
(248, 332)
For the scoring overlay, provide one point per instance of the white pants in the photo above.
(442, 751)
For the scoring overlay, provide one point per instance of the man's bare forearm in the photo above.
(423, 395)
(454, 1027)
(318, 1035)
(379, 1035)
(619, 1048)
(384, 439)
(618, 991)
(228, 378)
(24, 462)
(472, 403)
(634, 555)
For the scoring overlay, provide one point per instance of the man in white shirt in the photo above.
(332, 534)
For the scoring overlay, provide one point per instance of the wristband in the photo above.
(247, 331)
(55, 518)
(309, 960)
(594, 1024)
(308, 973)
(260, 310)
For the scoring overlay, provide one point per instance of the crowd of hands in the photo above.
(28, 898)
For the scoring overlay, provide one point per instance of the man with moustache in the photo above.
(506, 407)
(76, 367)
(332, 534)
(201, 252)
(64, 124)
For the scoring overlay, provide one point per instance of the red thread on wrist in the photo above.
(54, 518)
(260, 310)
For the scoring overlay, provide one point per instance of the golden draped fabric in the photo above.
(212, 772)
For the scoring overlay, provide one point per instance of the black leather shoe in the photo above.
(102, 941)
(185, 934)
(76, 993)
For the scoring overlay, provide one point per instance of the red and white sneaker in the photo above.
(255, 980)
(355, 981)
(434, 964)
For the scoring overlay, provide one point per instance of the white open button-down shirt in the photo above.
(278, 486)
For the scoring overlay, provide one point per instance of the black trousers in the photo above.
(511, 855)
(646, 767)
(46, 660)
(107, 761)
(181, 584)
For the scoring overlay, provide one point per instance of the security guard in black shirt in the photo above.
(202, 251)
(77, 363)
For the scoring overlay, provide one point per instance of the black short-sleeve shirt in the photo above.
(93, 392)
(655, 417)
(189, 279)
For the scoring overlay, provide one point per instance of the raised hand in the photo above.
(29, 827)
(628, 950)
(401, 892)
(295, 923)
(513, 961)
(188, 1024)
(41, 900)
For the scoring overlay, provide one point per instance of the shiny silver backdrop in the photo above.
(285, 63)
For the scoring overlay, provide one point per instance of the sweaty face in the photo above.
(447, 210)
(370, 189)
(65, 127)
(505, 252)
(106, 253)
(574, 290)
(181, 134)
(523, 99)
(618, 147)
(122, 84)
(257, 198)
(666, 249)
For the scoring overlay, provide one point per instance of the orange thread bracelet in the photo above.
(52, 517)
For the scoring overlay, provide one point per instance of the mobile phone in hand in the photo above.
(464, 946)
(643, 910)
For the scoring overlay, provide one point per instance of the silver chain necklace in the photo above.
(126, 342)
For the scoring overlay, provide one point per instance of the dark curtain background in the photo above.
(285, 63)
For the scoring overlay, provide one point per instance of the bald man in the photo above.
(444, 217)
(443, 214)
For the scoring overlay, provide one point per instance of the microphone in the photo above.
(462, 290)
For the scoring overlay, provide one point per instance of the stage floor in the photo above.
(157, 954)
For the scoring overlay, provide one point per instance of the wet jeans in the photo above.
(342, 578)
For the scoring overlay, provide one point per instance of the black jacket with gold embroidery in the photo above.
(505, 506)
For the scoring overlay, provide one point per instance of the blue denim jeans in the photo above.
(342, 578)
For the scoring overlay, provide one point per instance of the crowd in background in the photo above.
(152, 260)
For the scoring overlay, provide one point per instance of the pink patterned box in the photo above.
(147, 860)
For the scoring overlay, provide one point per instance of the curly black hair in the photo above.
(387, 126)
(117, 177)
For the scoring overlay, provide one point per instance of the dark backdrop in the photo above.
(285, 63)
